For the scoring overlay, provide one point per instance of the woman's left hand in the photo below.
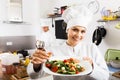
(88, 59)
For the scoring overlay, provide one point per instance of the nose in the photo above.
(79, 34)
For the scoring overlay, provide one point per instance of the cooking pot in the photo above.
(115, 62)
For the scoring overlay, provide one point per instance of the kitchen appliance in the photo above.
(115, 63)
(112, 56)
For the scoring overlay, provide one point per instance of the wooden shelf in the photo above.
(12, 22)
(54, 15)
(118, 19)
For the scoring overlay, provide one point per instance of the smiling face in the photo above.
(75, 35)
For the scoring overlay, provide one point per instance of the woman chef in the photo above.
(77, 19)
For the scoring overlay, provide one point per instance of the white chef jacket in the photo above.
(100, 70)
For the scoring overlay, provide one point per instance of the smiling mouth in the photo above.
(76, 39)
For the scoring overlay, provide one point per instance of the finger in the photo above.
(76, 60)
(41, 54)
(49, 54)
(44, 53)
(36, 60)
(88, 59)
(35, 55)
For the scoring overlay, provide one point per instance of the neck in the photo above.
(71, 43)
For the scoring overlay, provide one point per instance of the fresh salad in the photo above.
(67, 66)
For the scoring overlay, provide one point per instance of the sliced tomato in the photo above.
(48, 65)
(77, 72)
(65, 61)
(54, 68)
(71, 59)
(72, 68)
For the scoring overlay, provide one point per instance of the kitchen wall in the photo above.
(111, 40)
(34, 10)
(30, 18)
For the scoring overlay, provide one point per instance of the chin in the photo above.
(76, 41)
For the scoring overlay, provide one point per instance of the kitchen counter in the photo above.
(13, 77)
(44, 78)
(49, 77)
(112, 71)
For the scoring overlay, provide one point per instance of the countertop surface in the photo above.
(112, 71)
(44, 78)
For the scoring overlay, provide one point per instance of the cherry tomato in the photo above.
(65, 61)
(48, 65)
(71, 59)
(54, 68)
(77, 72)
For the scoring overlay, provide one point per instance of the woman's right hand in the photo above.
(40, 56)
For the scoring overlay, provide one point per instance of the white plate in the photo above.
(85, 64)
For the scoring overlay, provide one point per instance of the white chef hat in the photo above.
(44, 23)
(77, 16)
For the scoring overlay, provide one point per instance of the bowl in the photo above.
(115, 63)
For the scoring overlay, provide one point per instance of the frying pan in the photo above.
(97, 37)
(98, 34)
(103, 31)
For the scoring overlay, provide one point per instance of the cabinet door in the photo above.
(15, 10)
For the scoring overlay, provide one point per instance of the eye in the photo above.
(83, 31)
(76, 30)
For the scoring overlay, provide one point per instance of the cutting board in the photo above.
(116, 74)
